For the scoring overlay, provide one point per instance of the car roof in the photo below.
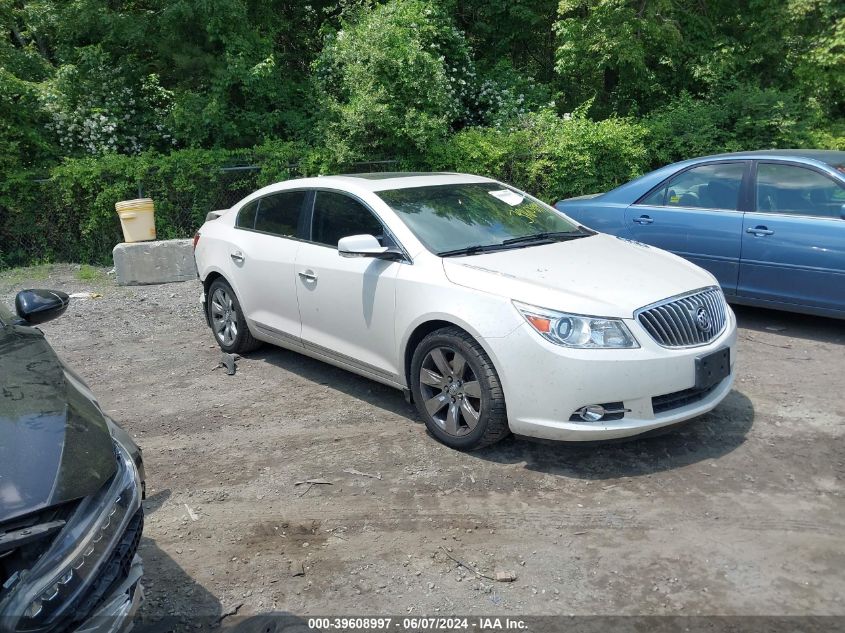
(834, 158)
(382, 181)
(637, 187)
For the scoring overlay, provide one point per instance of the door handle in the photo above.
(307, 275)
(643, 219)
(759, 231)
(237, 256)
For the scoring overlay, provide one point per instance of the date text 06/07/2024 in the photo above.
(414, 624)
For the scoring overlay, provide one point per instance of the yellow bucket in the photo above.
(137, 219)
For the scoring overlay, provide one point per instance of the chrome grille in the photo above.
(681, 321)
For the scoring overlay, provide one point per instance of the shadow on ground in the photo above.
(712, 435)
(791, 324)
(316, 371)
(153, 502)
(174, 601)
(274, 622)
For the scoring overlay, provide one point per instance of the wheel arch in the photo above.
(426, 327)
(210, 278)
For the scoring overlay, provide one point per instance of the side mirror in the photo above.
(38, 306)
(365, 246)
(842, 212)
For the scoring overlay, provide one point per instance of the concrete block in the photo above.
(157, 262)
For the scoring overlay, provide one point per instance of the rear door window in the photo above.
(279, 213)
(795, 190)
(712, 186)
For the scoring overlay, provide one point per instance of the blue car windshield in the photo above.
(447, 218)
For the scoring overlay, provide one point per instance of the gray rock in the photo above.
(157, 262)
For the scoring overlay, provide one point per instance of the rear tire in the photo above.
(227, 319)
(457, 390)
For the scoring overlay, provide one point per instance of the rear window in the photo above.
(246, 216)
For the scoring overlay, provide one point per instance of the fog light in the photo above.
(592, 413)
(604, 412)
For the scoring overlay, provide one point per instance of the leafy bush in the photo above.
(745, 118)
(96, 109)
(549, 156)
(393, 78)
(71, 215)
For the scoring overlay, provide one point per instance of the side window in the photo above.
(279, 213)
(246, 216)
(713, 186)
(656, 198)
(337, 216)
(797, 191)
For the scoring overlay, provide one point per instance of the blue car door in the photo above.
(697, 214)
(793, 242)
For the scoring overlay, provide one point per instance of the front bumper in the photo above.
(545, 384)
(91, 566)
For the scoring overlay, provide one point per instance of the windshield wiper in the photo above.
(548, 236)
(471, 250)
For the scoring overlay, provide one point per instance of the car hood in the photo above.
(55, 445)
(600, 275)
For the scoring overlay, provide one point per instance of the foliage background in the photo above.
(558, 97)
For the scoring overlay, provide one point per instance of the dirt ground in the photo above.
(739, 513)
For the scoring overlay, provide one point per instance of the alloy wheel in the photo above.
(451, 391)
(224, 317)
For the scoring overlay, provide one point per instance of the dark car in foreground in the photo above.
(770, 225)
(71, 485)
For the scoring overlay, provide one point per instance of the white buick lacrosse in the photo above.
(491, 310)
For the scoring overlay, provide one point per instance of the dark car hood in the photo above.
(55, 445)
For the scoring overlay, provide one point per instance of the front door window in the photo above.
(713, 186)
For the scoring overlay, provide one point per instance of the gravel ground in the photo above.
(738, 513)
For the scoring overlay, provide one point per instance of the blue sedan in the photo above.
(770, 225)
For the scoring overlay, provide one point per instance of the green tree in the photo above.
(631, 56)
(392, 78)
(518, 32)
(616, 52)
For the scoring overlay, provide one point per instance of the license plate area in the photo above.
(712, 368)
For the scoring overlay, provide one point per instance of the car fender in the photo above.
(484, 316)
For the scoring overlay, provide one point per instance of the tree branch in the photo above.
(21, 41)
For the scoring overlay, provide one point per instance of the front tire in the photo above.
(457, 390)
(227, 320)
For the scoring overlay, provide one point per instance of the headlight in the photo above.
(54, 585)
(578, 330)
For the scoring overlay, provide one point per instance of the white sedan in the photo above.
(491, 310)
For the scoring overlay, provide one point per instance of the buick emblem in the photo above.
(702, 319)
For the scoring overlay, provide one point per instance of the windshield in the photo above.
(447, 218)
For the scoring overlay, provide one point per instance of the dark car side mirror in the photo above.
(38, 306)
(842, 212)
